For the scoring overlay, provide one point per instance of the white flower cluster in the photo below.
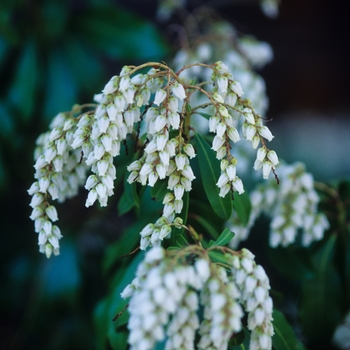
(159, 103)
(254, 286)
(167, 296)
(222, 312)
(164, 295)
(227, 92)
(292, 207)
(241, 54)
(58, 174)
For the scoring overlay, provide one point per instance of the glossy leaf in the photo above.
(320, 307)
(284, 337)
(210, 171)
(218, 257)
(242, 206)
(129, 198)
(225, 237)
(181, 241)
(159, 190)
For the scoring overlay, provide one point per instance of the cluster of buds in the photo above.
(253, 284)
(291, 206)
(228, 104)
(169, 291)
(58, 174)
(158, 102)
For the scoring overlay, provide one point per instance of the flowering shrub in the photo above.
(158, 102)
(177, 144)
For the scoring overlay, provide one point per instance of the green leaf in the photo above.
(205, 115)
(242, 206)
(212, 230)
(225, 237)
(209, 168)
(240, 341)
(181, 241)
(129, 198)
(24, 87)
(321, 308)
(284, 337)
(218, 257)
(159, 190)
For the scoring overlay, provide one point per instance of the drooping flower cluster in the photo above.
(58, 174)
(228, 92)
(254, 286)
(167, 293)
(292, 206)
(158, 102)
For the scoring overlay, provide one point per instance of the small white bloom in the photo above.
(179, 91)
(189, 150)
(233, 134)
(236, 87)
(222, 84)
(159, 97)
(273, 157)
(217, 143)
(238, 185)
(265, 132)
(188, 173)
(181, 160)
(217, 97)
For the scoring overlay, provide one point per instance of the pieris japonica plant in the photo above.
(188, 292)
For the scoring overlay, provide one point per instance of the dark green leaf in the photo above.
(225, 237)
(218, 257)
(205, 115)
(242, 206)
(159, 190)
(320, 308)
(206, 225)
(240, 341)
(209, 168)
(101, 324)
(181, 241)
(129, 198)
(284, 337)
(24, 87)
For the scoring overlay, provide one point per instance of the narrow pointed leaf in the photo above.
(209, 168)
(242, 206)
(224, 238)
(284, 337)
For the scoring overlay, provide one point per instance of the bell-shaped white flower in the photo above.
(159, 97)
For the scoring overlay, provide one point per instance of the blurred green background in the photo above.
(55, 53)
